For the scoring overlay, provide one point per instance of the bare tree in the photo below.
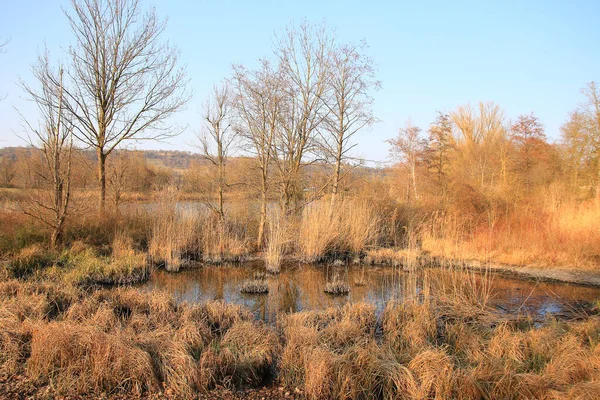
(125, 82)
(482, 135)
(258, 102)
(581, 135)
(302, 54)
(119, 177)
(408, 148)
(439, 146)
(8, 169)
(3, 43)
(217, 137)
(528, 132)
(50, 203)
(351, 80)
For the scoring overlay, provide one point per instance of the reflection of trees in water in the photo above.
(289, 295)
(300, 287)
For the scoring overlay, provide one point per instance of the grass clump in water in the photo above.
(337, 287)
(255, 286)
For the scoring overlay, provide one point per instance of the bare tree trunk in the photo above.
(51, 206)
(101, 179)
(336, 182)
(221, 173)
(414, 179)
(263, 210)
(336, 178)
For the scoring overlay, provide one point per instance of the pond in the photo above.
(300, 287)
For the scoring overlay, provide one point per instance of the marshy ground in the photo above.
(430, 333)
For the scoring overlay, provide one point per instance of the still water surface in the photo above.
(300, 287)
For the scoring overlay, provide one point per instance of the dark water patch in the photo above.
(301, 287)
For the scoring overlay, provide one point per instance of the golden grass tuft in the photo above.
(347, 227)
(254, 286)
(277, 241)
(83, 359)
(88, 268)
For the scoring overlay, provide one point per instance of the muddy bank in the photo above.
(541, 273)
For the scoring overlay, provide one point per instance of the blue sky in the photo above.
(524, 55)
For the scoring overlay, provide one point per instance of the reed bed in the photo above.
(326, 230)
(254, 286)
(337, 287)
(277, 241)
(181, 234)
(565, 235)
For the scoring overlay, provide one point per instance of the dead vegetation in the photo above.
(122, 341)
(337, 287)
(254, 286)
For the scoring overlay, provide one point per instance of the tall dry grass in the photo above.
(180, 234)
(561, 234)
(175, 232)
(221, 241)
(278, 239)
(348, 227)
(129, 343)
(64, 341)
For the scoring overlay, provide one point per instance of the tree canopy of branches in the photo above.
(302, 54)
(258, 100)
(408, 148)
(581, 136)
(125, 82)
(440, 143)
(50, 203)
(216, 138)
(349, 102)
(482, 142)
(528, 133)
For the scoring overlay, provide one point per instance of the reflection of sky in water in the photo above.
(300, 287)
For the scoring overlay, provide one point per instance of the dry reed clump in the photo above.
(36, 300)
(277, 241)
(254, 286)
(220, 241)
(368, 370)
(86, 360)
(318, 232)
(433, 372)
(337, 287)
(345, 227)
(175, 232)
(409, 326)
(14, 341)
(408, 259)
(253, 349)
(359, 225)
(566, 235)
